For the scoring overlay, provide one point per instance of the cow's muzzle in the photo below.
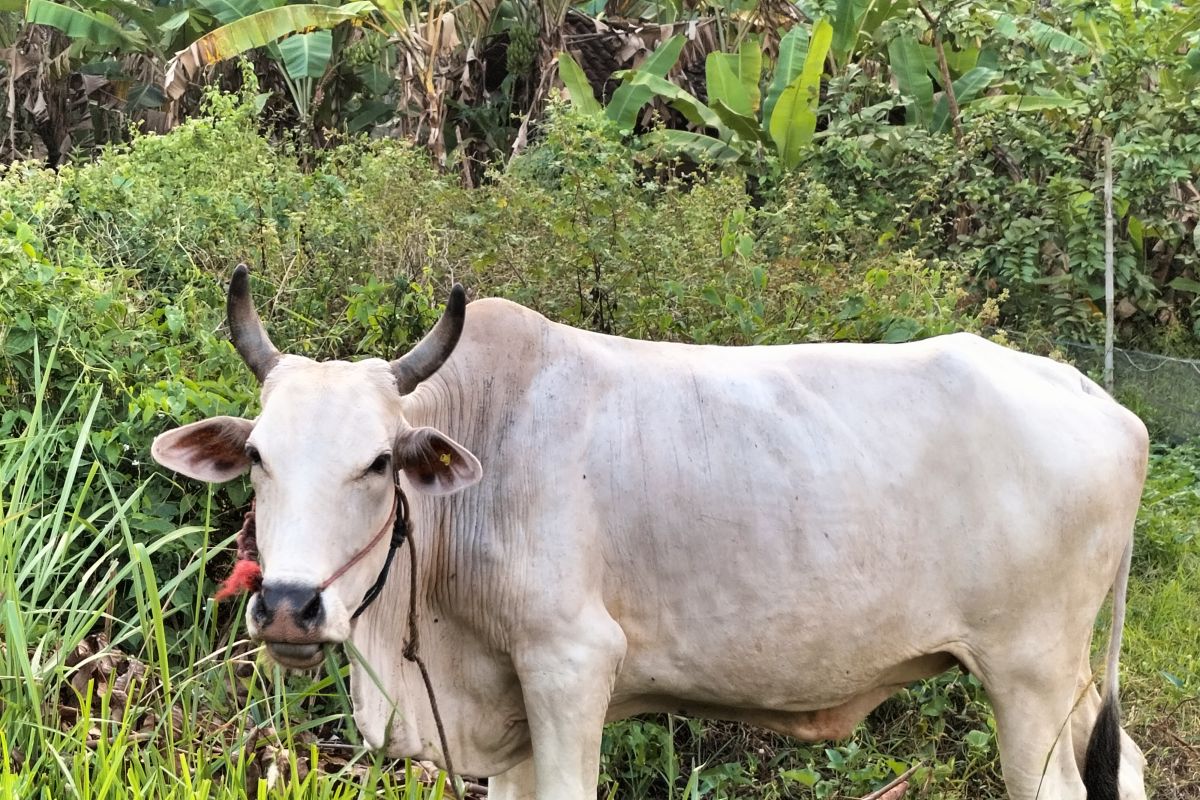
(288, 618)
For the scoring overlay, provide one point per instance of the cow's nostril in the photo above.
(311, 613)
(260, 612)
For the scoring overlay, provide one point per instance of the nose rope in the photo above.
(367, 548)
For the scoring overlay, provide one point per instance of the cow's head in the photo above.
(323, 457)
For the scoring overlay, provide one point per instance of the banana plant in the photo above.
(738, 122)
(913, 66)
(854, 20)
(629, 98)
(298, 37)
(135, 27)
(304, 39)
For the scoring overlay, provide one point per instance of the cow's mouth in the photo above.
(296, 656)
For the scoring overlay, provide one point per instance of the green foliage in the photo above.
(571, 74)
(912, 73)
(1018, 192)
(735, 112)
(580, 230)
(629, 98)
(1169, 525)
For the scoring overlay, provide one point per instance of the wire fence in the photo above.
(1163, 390)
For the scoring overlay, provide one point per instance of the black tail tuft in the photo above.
(1103, 760)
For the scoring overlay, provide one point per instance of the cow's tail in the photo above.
(1103, 760)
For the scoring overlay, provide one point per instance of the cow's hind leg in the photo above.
(1033, 702)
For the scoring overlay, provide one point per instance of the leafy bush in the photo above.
(586, 231)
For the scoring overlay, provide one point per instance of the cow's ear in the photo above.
(435, 463)
(210, 450)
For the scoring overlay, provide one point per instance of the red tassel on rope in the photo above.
(246, 577)
(247, 574)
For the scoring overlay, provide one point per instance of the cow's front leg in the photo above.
(519, 783)
(567, 680)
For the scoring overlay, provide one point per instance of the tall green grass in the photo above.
(168, 702)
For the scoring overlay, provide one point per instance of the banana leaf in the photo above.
(257, 30)
(696, 146)
(744, 127)
(628, 99)
(1041, 36)
(1018, 102)
(908, 65)
(227, 11)
(966, 89)
(794, 119)
(733, 78)
(881, 12)
(144, 95)
(571, 74)
(377, 74)
(682, 101)
(724, 85)
(91, 27)
(306, 55)
(848, 19)
(793, 49)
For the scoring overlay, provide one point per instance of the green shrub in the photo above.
(582, 229)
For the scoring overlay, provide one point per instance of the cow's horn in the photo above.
(246, 329)
(431, 352)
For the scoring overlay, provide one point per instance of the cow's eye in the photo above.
(380, 464)
(253, 455)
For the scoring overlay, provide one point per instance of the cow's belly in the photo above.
(769, 643)
(781, 659)
(831, 719)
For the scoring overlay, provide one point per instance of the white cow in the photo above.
(783, 536)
